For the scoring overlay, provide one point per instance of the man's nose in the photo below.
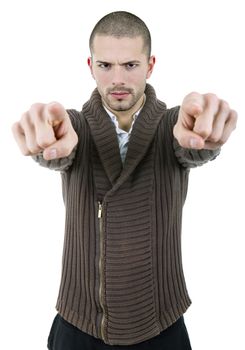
(118, 77)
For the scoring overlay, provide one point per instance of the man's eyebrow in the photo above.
(131, 62)
(121, 64)
(101, 61)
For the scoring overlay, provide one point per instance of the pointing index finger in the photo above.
(204, 121)
(193, 104)
(56, 113)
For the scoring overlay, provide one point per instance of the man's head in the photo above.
(120, 61)
(121, 24)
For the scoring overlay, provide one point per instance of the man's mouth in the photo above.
(119, 94)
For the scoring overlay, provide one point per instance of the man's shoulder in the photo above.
(77, 119)
(170, 115)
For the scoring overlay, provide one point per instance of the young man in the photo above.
(124, 161)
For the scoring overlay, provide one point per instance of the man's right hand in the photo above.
(45, 128)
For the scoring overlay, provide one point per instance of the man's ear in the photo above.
(152, 61)
(89, 61)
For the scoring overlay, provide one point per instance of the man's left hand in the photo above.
(204, 122)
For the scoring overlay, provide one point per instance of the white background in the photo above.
(199, 45)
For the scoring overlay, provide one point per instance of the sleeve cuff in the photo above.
(61, 164)
(190, 158)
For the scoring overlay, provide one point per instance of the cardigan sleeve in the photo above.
(189, 158)
(62, 164)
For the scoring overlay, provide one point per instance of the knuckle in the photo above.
(212, 100)
(181, 140)
(34, 149)
(37, 117)
(25, 152)
(74, 137)
(215, 138)
(193, 94)
(26, 119)
(65, 150)
(36, 112)
(234, 117)
(211, 96)
(205, 132)
(180, 136)
(32, 146)
(225, 106)
(222, 141)
(35, 107)
(23, 116)
(43, 141)
(175, 131)
(15, 128)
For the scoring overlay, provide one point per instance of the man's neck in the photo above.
(125, 118)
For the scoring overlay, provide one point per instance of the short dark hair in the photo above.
(122, 24)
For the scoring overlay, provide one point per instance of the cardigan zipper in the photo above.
(100, 217)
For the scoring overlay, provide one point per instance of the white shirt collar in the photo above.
(115, 121)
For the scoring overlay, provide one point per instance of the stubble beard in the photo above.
(121, 105)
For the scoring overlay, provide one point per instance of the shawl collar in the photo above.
(105, 137)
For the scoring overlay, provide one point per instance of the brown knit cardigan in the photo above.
(122, 277)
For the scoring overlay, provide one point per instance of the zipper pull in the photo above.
(99, 210)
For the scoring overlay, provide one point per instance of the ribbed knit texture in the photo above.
(141, 277)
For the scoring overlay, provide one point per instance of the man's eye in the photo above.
(104, 65)
(131, 66)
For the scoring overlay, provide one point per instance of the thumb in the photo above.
(61, 148)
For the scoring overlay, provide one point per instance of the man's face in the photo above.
(120, 68)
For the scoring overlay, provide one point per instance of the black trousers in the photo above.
(64, 336)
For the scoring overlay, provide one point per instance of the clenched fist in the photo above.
(45, 128)
(204, 122)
